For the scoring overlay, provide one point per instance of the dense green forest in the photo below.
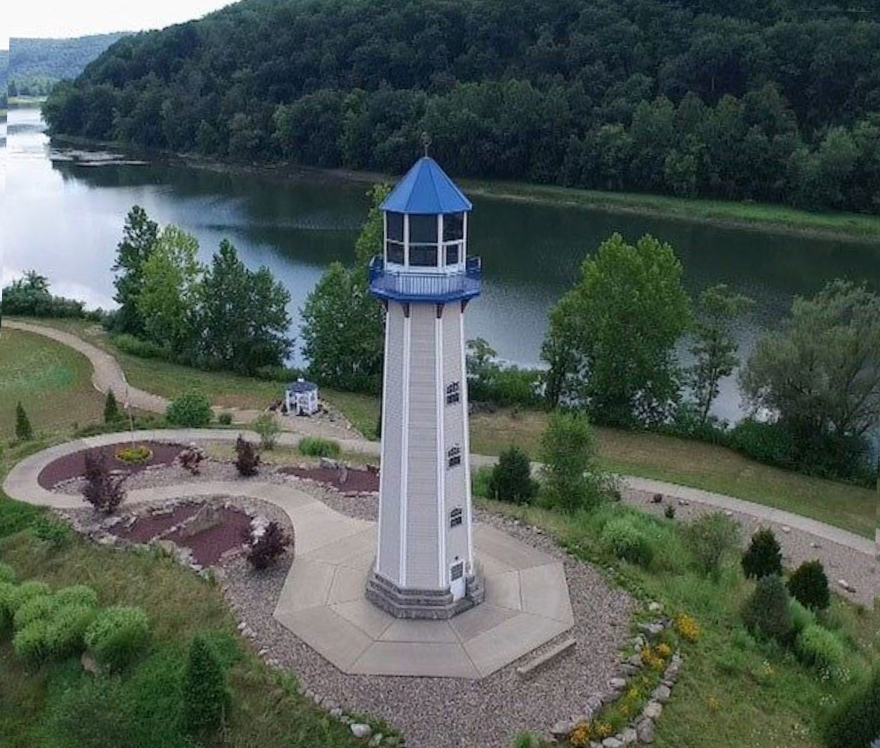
(35, 65)
(4, 67)
(757, 99)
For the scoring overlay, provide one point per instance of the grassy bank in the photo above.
(53, 382)
(735, 690)
(645, 455)
(756, 216)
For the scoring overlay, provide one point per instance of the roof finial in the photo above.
(426, 141)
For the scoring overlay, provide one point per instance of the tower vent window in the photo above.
(456, 517)
(453, 393)
(453, 457)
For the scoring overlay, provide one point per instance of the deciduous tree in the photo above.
(612, 337)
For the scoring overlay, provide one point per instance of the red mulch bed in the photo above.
(152, 526)
(74, 465)
(359, 481)
(207, 546)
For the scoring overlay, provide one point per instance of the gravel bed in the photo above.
(859, 570)
(454, 713)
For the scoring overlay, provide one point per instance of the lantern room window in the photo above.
(453, 227)
(394, 248)
(422, 229)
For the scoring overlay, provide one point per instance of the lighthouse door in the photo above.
(456, 577)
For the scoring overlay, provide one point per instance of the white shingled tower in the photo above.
(425, 560)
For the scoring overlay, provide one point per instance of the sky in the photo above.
(42, 18)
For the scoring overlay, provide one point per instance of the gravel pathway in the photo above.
(454, 713)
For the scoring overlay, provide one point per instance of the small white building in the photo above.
(425, 565)
(301, 398)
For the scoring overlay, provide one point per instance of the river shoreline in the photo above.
(757, 217)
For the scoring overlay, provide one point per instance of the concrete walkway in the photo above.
(108, 374)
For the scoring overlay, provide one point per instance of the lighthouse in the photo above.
(425, 566)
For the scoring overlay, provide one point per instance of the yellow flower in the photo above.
(713, 703)
(633, 693)
(603, 730)
(580, 736)
(664, 650)
(687, 627)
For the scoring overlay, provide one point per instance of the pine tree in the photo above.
(111, 408)
(23, 430)
(764, 556)
(204, 690)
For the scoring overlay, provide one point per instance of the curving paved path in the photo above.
(109, 374)
(323, 600)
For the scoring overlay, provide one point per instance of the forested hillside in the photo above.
(754, 99)
(4, 67)
(36, 64)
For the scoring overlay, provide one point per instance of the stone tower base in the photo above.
(432, 605)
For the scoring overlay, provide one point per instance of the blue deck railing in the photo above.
(414, 286)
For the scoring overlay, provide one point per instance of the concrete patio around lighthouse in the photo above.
(323, 603)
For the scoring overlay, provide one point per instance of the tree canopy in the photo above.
(766, 101)
(819, 374)
(611, 344)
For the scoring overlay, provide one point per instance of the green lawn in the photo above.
(733, 691)
(266, 707)
(745, 214)
(696, 464)
(53, 382)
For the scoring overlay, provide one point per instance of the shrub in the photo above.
(511, 478)
(855, 722)
(23, 430)
(267, 429)
(264, 550)
(809, 585)
(669, 512)
(7, 589)
(77, 594)
(191, 459)
(763, 556)
(105, 492)
(117, 635)
(65, 635)
(7, 573)
(247, 460)
(710, 539)
(819, 648)
(18, 596)
(39, 608)
(314, 446)
(134, 455)
(205, 697)
(192, 410)
(627, 542)
(111, 409)
(140, 348)
(571, 477)
(57, 534)
(767, 610)
(225, 419)
(801, 617)
(481, 479)
(32, 641)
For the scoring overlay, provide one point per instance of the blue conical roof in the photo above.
(426, 189)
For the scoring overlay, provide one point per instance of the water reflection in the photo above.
(64, 219)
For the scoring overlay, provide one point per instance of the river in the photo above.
(63, 218)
